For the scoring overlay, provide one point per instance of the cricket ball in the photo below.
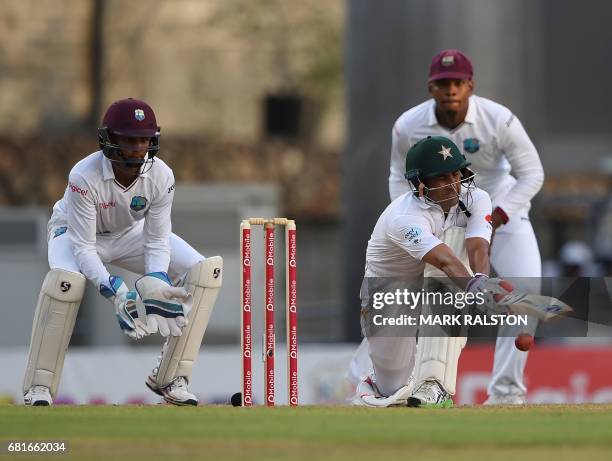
(523, 342)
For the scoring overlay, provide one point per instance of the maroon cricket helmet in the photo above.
(451, 64)
(131, 117)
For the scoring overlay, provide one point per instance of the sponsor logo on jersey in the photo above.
(77, 189)
(107, 205)
(139, 114)
(171, 188)
(471, 145)
(489, 218)
(59, 231)
(412, 235)
(138, 203)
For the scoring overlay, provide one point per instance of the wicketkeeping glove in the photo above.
(166, 306)
(124, 300)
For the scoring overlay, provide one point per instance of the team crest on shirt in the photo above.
(471, 145)
(139, 114)
(413, 235)
(59, 231)
(138, 203)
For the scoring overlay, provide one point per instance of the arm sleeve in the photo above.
(479, 222)
(81, 212)
(157, 229)
(525, 162)
(413, 234)
(400, 144)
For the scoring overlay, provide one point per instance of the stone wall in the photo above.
(205, 66)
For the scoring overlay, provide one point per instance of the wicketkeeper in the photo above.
(116, 210)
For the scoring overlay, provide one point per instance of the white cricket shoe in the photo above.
(151, 383)
(505, 399)
(38, 396)
(366, 389)
(369, 395)
(430, 393)
(175, 393)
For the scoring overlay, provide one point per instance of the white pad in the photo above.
(56, 311)
(179, 354)
(437, 358)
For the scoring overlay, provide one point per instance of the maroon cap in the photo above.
(450, 64)
(131, 117)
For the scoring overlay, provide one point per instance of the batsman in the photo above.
(508, 169)
(116, 210)
(444, 224)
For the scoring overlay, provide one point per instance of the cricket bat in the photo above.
(545, 308)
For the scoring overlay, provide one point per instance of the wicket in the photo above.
(290, 305)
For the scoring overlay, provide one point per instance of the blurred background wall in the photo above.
(297, 97)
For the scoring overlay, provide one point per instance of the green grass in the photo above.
(132, 433)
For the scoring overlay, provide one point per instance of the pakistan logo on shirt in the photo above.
(412, 235)
(138, 203)
(471, 145)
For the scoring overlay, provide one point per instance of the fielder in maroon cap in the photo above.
(508, 168)
(450, 84)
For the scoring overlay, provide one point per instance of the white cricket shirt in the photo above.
(410, 227)
(492, 139)
(96, 208)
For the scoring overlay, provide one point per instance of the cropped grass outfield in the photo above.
(557, 432)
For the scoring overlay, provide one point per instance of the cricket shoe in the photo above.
(505, 399)
(369, 395)
(366, 390)
(175, 393)
(38, 396)
(430, 393)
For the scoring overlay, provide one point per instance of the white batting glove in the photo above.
(124, 300)
(491, 291)
(166, 306)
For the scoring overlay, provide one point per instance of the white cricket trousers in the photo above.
(126, 252)
(514, 253)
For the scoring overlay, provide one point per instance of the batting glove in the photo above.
(489, 292)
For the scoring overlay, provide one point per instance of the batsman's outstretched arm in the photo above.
(443, 258)
(478, 254)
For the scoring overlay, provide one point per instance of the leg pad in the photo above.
(54, 318)
(203, 281)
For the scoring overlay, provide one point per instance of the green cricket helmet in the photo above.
(433, 156)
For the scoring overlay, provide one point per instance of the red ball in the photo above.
(523, 342)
